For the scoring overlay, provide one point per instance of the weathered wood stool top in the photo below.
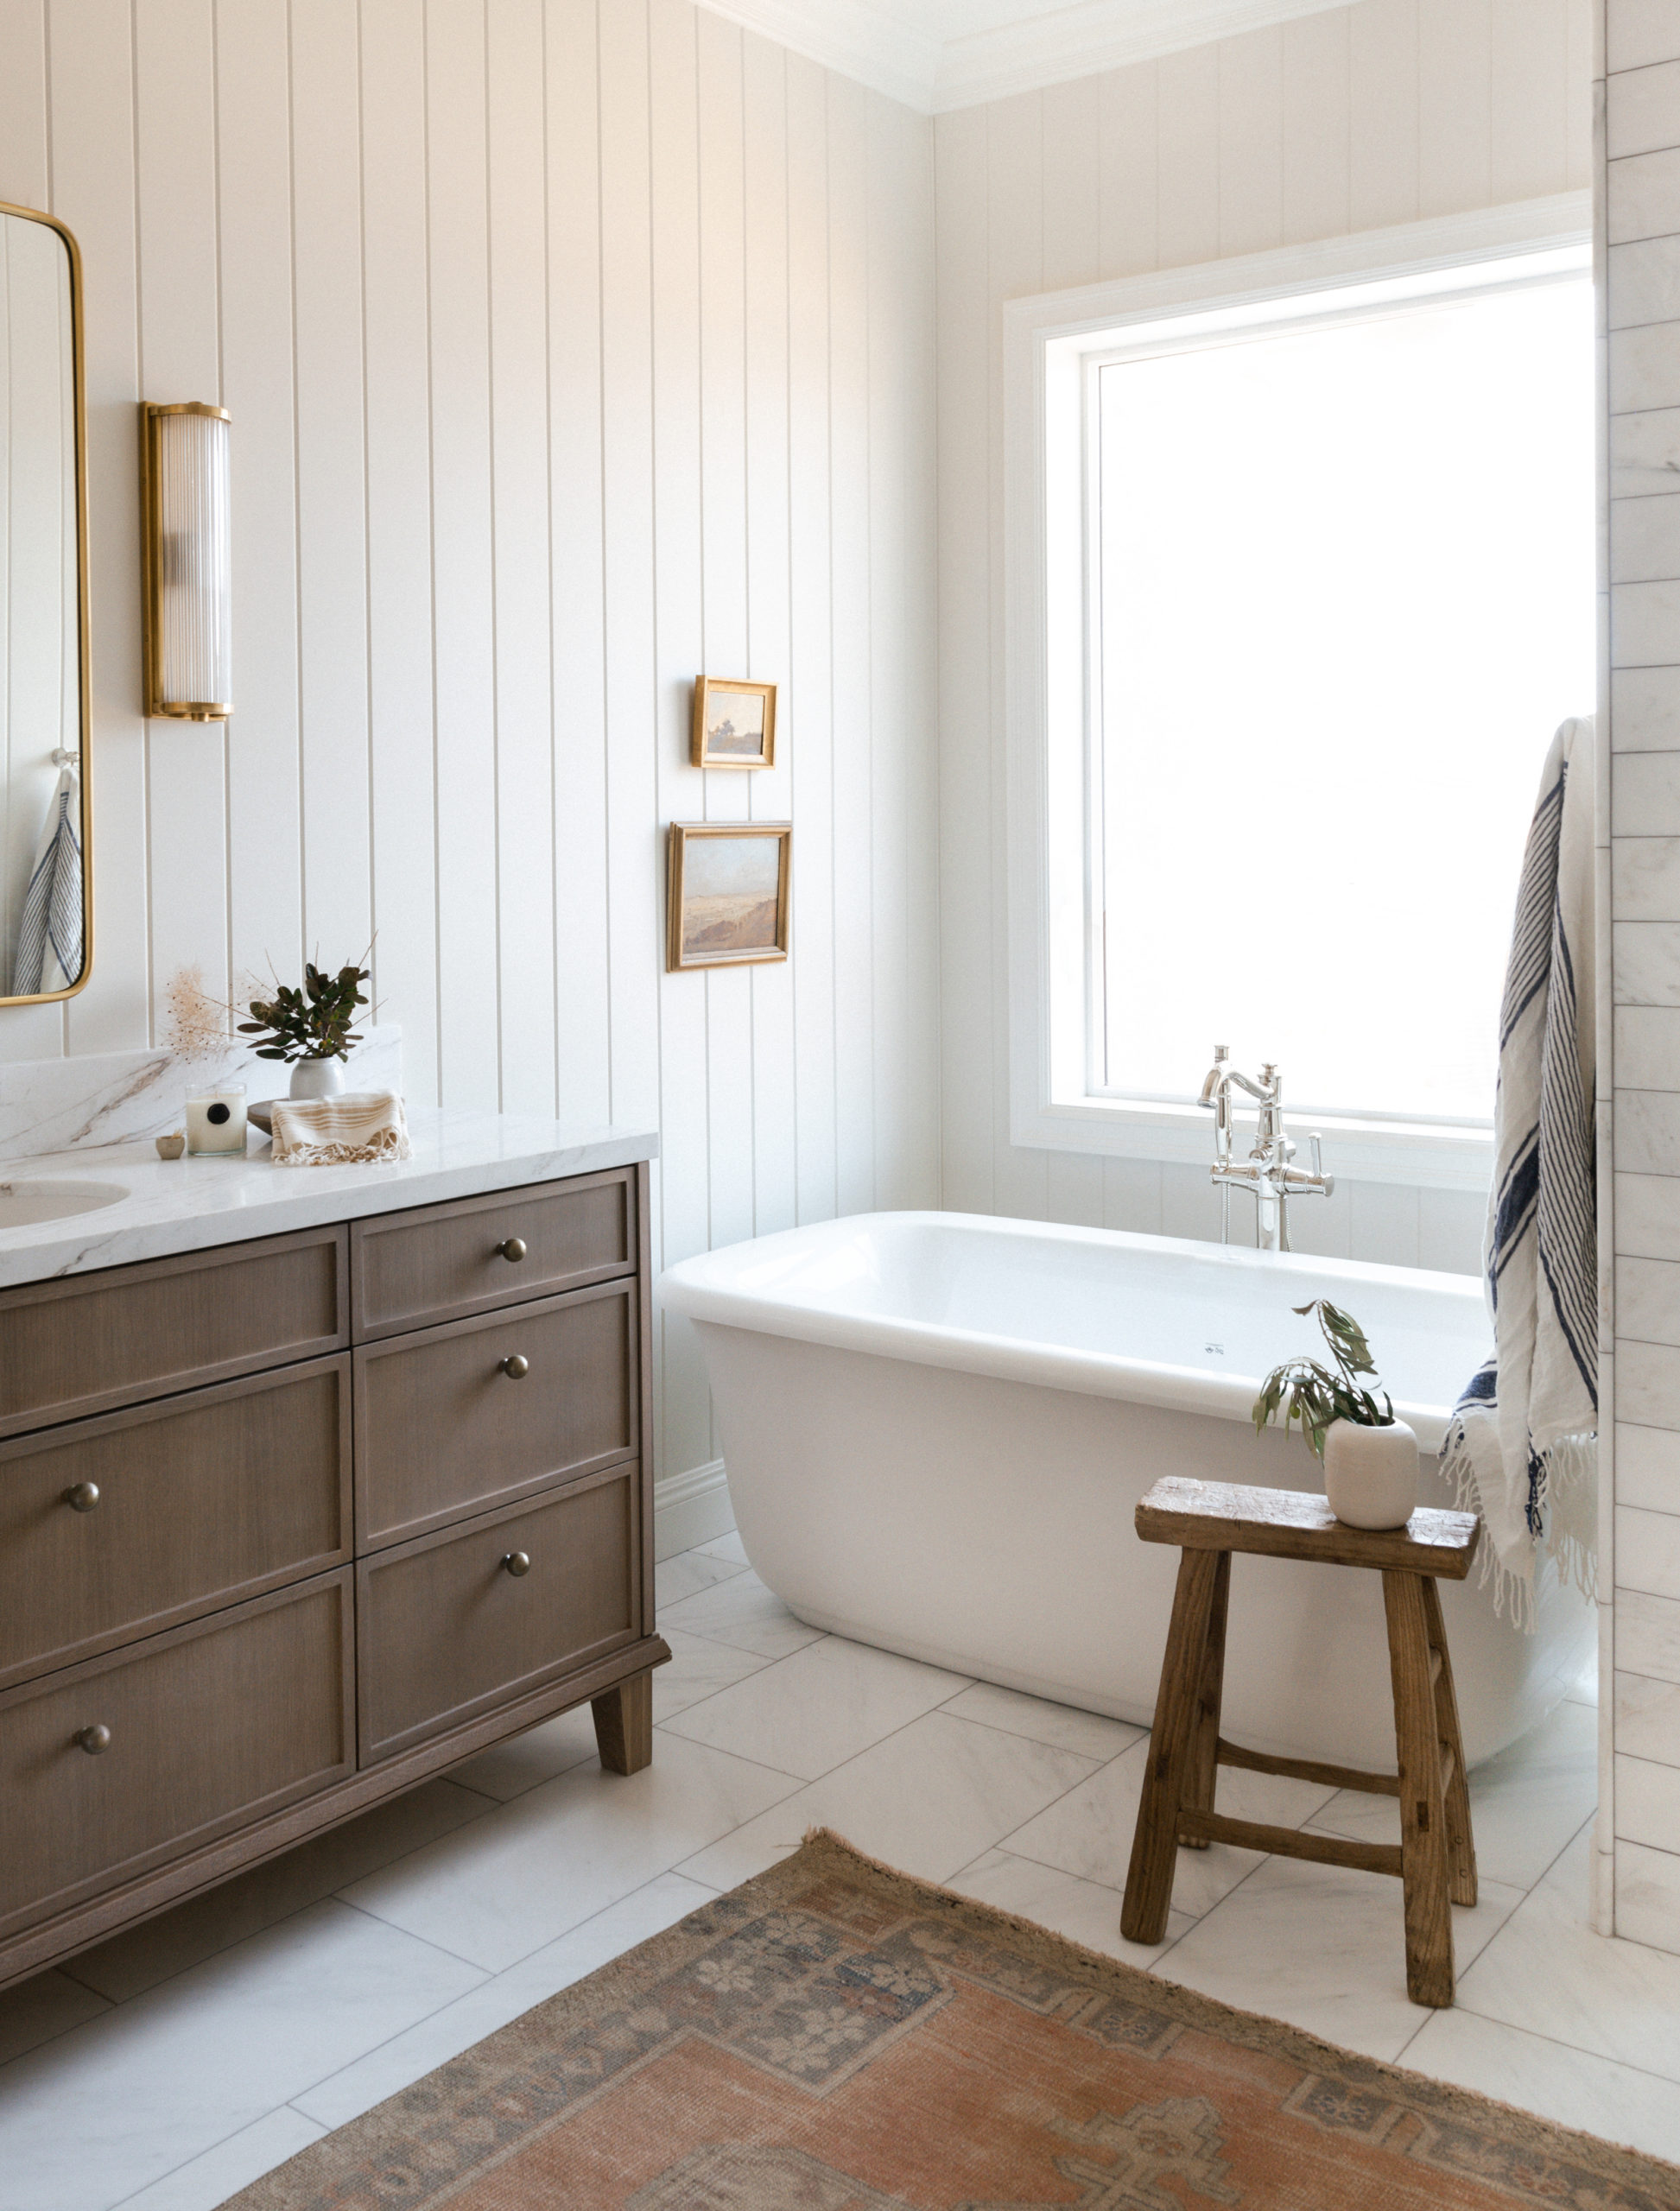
(1435, 1855)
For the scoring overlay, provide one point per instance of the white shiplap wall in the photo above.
(571, 347)
(1343, 120)
(1641, 203)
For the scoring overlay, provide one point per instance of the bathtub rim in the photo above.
(701, 1289)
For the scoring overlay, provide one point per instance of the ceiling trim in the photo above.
(872, 43)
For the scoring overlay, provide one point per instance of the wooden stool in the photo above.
(1436, 1857)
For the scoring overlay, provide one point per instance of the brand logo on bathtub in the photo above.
(1218, 1350)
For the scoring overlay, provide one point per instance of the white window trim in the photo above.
(1044, 366)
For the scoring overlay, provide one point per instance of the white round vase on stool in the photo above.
(317, 1078)
(1371, 1474)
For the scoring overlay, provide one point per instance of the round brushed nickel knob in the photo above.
(93, 1740)
(83, 1498)
(517, 1562)
(516, 1368)
(513, 1248)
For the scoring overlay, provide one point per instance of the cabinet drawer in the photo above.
(443, 1428)
(448, 1261)
(210, 1726)
(197, 1502)
(92, 1341)
(448, 1632)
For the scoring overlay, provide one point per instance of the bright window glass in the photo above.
(1344, 596)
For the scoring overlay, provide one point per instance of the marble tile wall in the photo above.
(1639, 101)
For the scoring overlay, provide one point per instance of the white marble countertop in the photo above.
(190, 1205)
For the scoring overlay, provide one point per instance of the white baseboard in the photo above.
(690, 1509)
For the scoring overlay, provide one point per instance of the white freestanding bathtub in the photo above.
(936, 1427)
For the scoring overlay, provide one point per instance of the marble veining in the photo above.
(102, 1099)
(189, 1205)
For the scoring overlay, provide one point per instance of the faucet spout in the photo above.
(1266, 1172)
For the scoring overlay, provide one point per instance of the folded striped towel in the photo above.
(358, 1126)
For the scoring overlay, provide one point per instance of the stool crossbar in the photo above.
(1435, 1858)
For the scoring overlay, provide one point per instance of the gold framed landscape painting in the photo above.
(734, 723)
(728, 892)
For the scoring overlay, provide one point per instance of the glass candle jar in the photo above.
(216, 1121)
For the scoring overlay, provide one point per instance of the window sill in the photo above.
(1418, 1155)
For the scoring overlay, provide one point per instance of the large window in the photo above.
(1332, 593)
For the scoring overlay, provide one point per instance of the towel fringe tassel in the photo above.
(1568, 1466)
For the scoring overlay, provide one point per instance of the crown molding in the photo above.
(874, 44)
(851, 36)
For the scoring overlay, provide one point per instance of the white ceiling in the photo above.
(935, 54)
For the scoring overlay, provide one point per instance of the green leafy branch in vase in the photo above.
(1305, 1390)
(313, 1024)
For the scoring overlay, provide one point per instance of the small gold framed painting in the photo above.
(734, 723)
(727, 889)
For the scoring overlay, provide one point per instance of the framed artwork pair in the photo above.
(727, 882)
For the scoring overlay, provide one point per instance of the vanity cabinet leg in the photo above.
(624, 1725)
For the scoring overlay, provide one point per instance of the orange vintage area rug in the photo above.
(833, 2036)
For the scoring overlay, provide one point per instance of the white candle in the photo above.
(216, 1121)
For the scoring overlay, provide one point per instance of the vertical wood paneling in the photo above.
(1382, 63)
(1315, 98)
(519, 523)
(91, 137)
(685, 1209)
(1187, 156)
(632, 842)
(1129, 175)
(179, 359)
(23, 180)
(903, 615)
(1251, 142)
(1530, 98)
(577, 526)
(401, 719)
(573, 345)
(967, 1049)
(810, 694)
(850, 600)
(331, 568)
(764, 148)
(1070, 214)
(1455, 105)
(729, 795)
(254, 197)
(464, 619)
(1014, 236)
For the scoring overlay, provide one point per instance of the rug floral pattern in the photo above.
(834, 2037)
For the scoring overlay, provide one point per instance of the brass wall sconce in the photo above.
(186, 560)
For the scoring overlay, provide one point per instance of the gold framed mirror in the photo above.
(46, 823)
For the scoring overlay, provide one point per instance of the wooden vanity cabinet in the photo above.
(287, 1526)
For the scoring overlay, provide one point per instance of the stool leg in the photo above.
(1149, 1881)
(1461, 1843)
(1424, 1851)
(1202, 1770)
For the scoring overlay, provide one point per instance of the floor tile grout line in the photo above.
(220, 2143)
(1575, 2049)
(395, 1927)
(489, 1976)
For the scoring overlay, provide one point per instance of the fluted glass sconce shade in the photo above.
(188, 562)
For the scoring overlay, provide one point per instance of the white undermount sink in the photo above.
(54, 1198)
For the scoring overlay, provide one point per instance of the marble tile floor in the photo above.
(169, 2067)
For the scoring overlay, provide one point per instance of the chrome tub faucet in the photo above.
(1266, 1172)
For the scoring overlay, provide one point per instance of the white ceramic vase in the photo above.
(317, 1078)
(1371, 1474)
